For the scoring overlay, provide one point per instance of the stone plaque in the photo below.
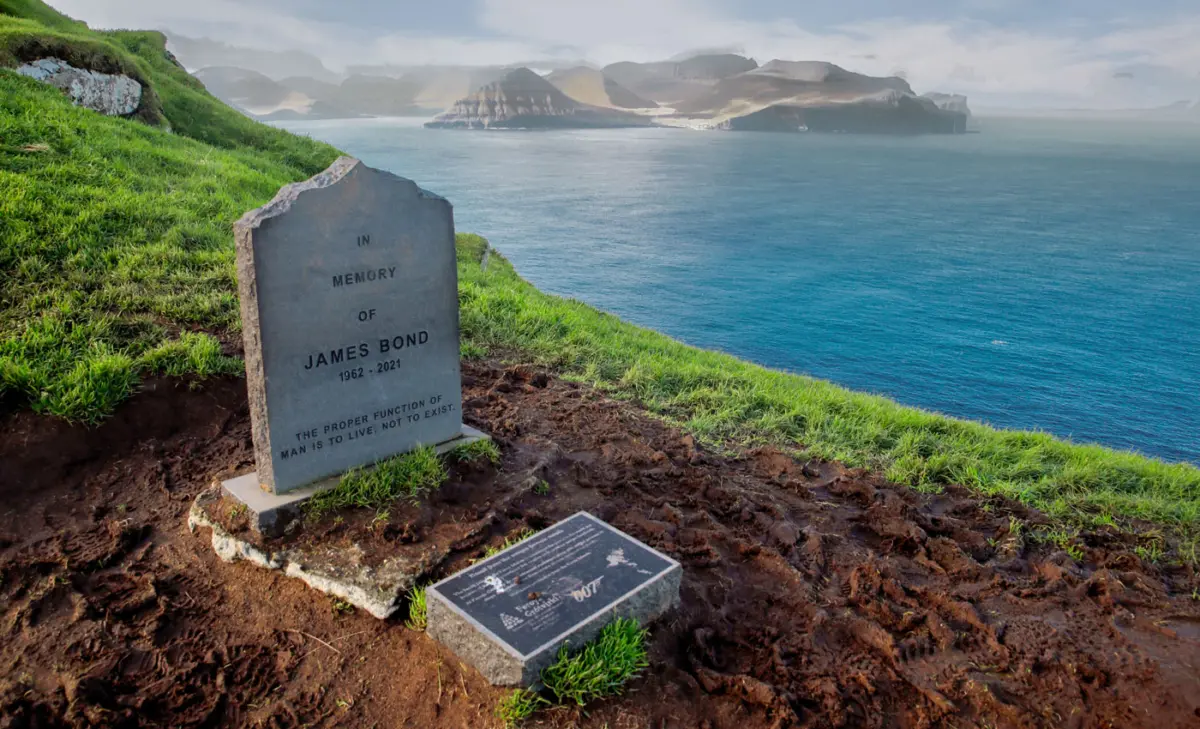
(509, 614)
(349, 301)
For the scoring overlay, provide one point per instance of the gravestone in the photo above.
(509, 614)
(349, 303)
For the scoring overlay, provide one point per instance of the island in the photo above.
(715, 91)
(525, 100)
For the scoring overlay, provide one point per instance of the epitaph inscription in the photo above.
(349, 299)
(534, 596)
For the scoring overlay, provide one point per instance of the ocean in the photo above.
(1041, 274)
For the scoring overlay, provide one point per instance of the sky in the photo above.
(1021, 53)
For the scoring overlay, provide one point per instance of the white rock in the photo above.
(109, 94)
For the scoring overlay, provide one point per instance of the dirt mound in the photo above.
(813, 596)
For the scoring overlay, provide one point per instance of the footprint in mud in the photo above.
(118, 594)
(916, 648)
(50, 601)
(1184, 627)
(103, 545)
(952, 558)
(895, 531)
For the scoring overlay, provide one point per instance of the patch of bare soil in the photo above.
(813, 596)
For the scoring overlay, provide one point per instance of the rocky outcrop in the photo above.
(525, 100)
(109, 94)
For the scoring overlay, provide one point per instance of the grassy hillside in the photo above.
(116, 261)
(723, 399)
(116, 245)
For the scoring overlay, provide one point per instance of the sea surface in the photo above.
(1042, 274)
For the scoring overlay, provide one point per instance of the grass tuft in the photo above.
(602, 668)
(518, 706)
(418, 611)
(508, 542)
(410, 476)
(193, 353)
(480, 449)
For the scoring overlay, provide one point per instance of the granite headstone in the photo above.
(349, 303)
(509, 614)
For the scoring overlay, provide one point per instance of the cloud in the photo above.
(973, 58)
(1073, 63)
(405, 49)
(254, 23)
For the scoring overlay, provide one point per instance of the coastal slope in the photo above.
(117, 252)
(525, 100)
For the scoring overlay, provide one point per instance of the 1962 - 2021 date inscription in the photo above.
(360, 372)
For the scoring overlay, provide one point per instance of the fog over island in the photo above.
(1022, 55)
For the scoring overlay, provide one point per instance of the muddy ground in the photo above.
(813, 596)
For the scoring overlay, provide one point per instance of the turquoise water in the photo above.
(1040, 275)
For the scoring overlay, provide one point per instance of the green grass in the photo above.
(476, 450)
(418, 611)
(602, 668)
(724, 400)
(116, 263)
(116, 243)
(517, 706)
(39, 12)
(410, 476)
(508, 542)
(30, 30)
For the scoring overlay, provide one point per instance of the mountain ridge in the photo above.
(521, 100)
(724, 91)
(593, 86)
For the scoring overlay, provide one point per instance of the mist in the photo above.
(1006, 55)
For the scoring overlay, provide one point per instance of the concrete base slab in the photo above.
(274, 514)
(379, 589)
